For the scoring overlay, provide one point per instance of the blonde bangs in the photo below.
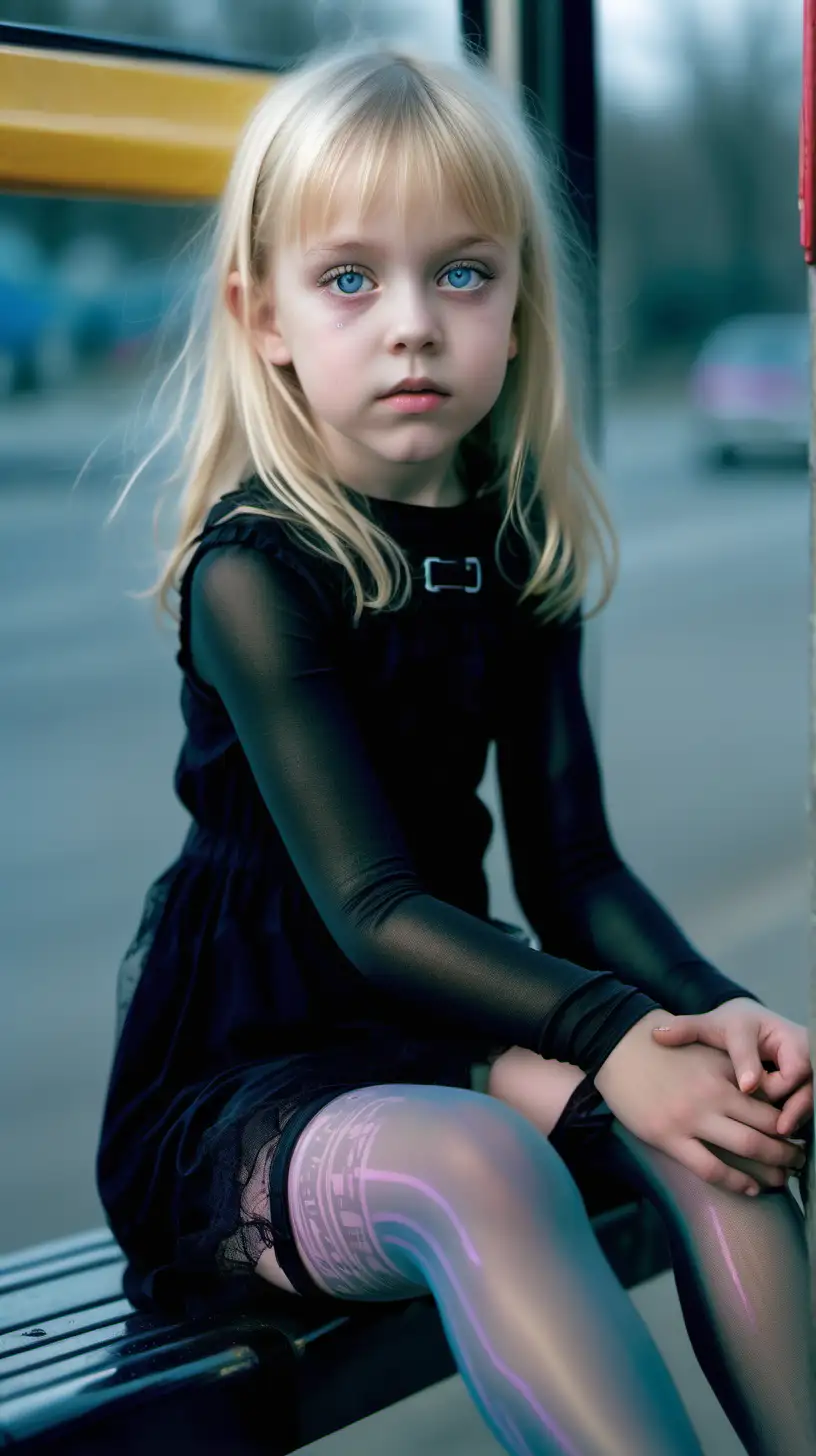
(420, 148)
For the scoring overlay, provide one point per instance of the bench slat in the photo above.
(28, 1415)
(151, 1351)
(35, 1274)
(19, 1352)
(73, 1245)
(76, 1295)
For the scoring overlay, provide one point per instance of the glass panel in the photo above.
(704, 704)
(267, 32)
(704, 714)
(90, 724)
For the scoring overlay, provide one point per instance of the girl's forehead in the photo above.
(394, 205)
(384, 224)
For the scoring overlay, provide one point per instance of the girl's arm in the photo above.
(580, 898)
(263, 637)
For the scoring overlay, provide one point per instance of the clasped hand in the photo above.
(770, 1055)
(685, 1101)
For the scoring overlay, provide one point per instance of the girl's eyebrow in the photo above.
(351, 246)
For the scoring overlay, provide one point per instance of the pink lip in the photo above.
(415, 403)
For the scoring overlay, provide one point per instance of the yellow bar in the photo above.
(74, 123)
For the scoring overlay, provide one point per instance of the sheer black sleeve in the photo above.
(582, 901)
(262, 636)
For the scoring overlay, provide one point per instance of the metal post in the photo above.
(807, 206)
(504, 40)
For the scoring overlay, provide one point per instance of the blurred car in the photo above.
(37, 319)
(750, 388)
(144, 303)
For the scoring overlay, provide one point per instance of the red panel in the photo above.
(807, 136)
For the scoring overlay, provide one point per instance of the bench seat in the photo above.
(82, 1372)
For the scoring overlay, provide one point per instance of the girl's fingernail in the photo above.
(752, 1192)
(661, 1028)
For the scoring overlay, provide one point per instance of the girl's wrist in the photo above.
(640, 1031)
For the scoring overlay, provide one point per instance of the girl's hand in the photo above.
(686, 1102)
(752, 1035)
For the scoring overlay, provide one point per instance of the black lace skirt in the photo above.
(185, 1159)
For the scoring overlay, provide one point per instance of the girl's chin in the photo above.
(416, 442)
(415, 446)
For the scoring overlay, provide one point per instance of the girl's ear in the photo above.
(259, 320)
(512, 347)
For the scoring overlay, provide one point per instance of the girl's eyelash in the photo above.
(340, 269)
(469, 263)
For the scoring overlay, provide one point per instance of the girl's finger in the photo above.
(748, 1142)
(754, 1111)
(763, 1175)
(741, 1046)
(681, 1031)
(699, 1157)
(793, 1060)
(796, 1111)
(776, 1085)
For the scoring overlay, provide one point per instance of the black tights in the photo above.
(400, 1189)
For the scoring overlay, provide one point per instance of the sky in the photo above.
(631, 41)
(634, 40)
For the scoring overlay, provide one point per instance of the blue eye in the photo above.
(460, 277)
(349, 282)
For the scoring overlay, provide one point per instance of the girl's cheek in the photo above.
(332, 328)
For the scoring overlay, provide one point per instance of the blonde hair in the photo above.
(420, 125)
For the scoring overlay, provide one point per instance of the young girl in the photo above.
(387, 532)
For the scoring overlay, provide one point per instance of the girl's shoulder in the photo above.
(244, 518)
(242, 521)
(244, 515)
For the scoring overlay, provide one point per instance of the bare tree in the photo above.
(699, 201)
(742, 121)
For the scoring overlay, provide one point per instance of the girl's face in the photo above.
(373, 303)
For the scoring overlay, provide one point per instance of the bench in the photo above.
(82, 1372)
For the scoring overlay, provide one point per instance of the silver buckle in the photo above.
(471, 562)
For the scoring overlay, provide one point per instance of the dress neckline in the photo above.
(408, 515)
(418, 509)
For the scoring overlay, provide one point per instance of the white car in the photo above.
(750, 388)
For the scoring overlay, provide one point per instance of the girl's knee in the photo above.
(478, 1148)
(536, 1087)
(489, 1142)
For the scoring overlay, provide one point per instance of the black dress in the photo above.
(326, 925)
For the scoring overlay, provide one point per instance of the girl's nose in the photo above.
(413, 323)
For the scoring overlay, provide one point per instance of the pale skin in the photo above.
(430, 299)
(354, 311)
